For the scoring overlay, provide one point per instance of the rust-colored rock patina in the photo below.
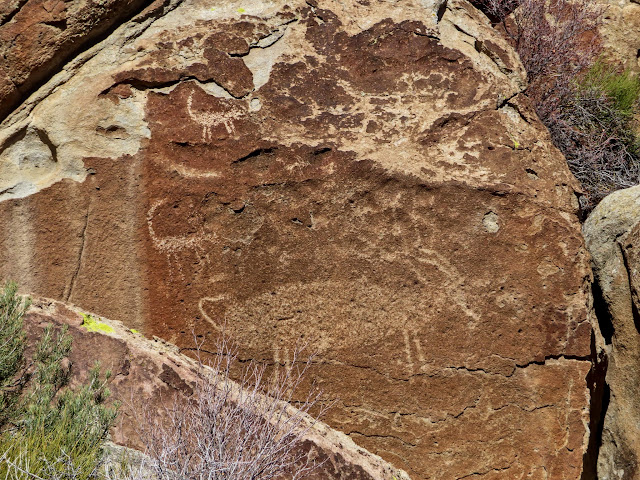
(363, 177)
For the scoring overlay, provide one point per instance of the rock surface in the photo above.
(363, 177)
(148, 375)
(612, 234)
(38, 36)
(621, 32)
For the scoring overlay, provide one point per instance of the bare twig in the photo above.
(244, 430)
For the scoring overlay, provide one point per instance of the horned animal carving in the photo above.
(209, 120)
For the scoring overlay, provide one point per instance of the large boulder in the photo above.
(363, 177)
(612, 234)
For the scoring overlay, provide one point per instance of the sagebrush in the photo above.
(47, 430)
(597, 132)
(233, 430)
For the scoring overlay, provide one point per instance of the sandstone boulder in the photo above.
(38, 36)
(363, 177)
(612, 234)
(621, 32)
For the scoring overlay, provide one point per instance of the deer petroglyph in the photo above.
(209, 120)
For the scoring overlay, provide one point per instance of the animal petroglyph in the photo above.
(210, 120)
(284, 312)
(415, 357)
(171, 246)
(452, 281)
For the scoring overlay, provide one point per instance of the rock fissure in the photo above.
(44, 138)
(599, 402)
(486, 472)
(255, 153)
(441, 10)
(380, 436)
(525, 409)
(504, 102)
(9, 16)
(8, 191)
(144, 85)
(157, 12)
(583, 358)
(269, 40)
(83, 237)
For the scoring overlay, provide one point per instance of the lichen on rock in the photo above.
(93, 325)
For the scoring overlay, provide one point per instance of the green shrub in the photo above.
(12, 308)
(622, 88)
(597, 131)
(50, 430)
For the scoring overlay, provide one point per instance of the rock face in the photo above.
(621, 32)
(363, 177)
(612, 233)
(147, 376)
(38, 36)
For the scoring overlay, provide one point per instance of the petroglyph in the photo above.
(454, 281)
(218, 324)
(407, 345)
(417, 361)
(210, 120)
(173, 245)
(287, 311)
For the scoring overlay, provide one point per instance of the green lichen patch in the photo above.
(93, 325)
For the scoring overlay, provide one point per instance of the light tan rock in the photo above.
(621, 33)
(37, 37)
(365, 177)
(611, 232)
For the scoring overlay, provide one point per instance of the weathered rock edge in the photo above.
(38, 37)
(147, 375)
